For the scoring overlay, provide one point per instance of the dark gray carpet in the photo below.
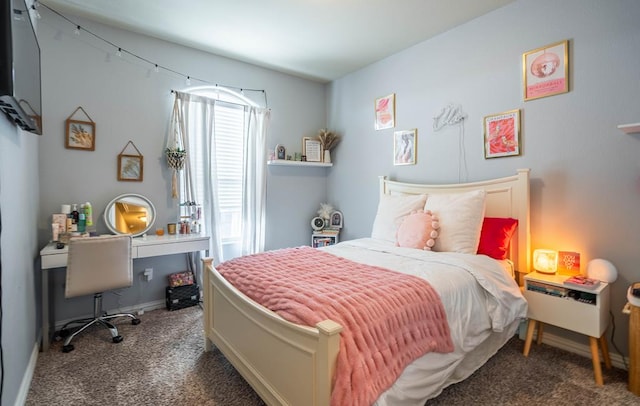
(162, 362)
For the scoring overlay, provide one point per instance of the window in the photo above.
(229, 127)
(224, 135)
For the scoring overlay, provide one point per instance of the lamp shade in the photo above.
(545, 261)
(602, 270)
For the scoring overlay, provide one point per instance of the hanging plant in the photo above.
(175, 158)
(175, 161)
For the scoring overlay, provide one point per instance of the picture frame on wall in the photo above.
(502, 134)
(312, 149)
(130, 168)
(404, 147)
(545, 71)
(385, 112)
(80, 135)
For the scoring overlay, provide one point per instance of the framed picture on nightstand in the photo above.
(336, 219)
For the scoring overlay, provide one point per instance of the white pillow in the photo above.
(392, 209)
(461, 216)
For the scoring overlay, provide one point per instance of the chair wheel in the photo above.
(67, 348)
(117, 339)
(135, 322)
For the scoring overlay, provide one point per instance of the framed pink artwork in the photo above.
(502, 134)
(385, 109)
(545, 71)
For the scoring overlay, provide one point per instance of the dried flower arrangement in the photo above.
(328, 139)
(325, 210)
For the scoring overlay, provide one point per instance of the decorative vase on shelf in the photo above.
(327, 156)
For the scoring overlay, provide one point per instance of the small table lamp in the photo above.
(545, 261)
(603, 270)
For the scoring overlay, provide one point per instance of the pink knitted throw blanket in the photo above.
(388, 318)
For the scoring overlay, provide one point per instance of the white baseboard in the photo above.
(139, 309)
(21, 399)
(566, 344)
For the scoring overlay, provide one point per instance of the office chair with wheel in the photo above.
(96, 265)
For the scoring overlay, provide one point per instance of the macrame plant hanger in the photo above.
(175, 151)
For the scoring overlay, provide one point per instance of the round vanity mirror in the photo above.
(130, 214)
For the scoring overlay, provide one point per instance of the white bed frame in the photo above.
(290, 364)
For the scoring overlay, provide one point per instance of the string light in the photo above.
(156, 66)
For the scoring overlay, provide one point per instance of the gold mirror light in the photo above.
(545, 261)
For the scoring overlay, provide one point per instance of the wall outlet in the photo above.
(148, 274)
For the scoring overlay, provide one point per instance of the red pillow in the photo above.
(495, 236)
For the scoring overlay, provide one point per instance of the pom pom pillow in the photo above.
(460, 216)
(418, 230)
(495, 236)
(392, 209)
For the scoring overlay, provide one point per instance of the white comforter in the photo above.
(479, 296)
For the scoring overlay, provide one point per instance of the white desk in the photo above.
(141, 247)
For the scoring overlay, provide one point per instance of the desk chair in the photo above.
(95, 265)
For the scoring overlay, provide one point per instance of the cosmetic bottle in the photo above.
(88, 213)
(82, 224)
(75, 214)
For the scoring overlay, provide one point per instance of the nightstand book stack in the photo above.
(583, 310)
(324, 238)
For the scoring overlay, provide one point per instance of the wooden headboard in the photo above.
(506, 197)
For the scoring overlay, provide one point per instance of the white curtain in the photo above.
(255, 180)
(196, 115)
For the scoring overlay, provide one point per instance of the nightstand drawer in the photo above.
(565, 312)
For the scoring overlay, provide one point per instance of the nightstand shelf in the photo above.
(581, 310)
(320, 239)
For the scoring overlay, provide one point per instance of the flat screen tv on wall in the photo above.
(20, 97)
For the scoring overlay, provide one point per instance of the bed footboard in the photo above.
(285, 363)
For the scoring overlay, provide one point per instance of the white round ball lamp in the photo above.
(602, 270)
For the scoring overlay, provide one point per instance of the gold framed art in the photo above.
(80, 135)
(130, 166)
(311, 149)
(385, 112)
(502, 134)
(545, 71)
(404, 147)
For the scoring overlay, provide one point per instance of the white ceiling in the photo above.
(315, 39)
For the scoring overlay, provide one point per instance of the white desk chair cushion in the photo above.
(98, 264)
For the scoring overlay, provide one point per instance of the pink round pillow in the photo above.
(418, 230)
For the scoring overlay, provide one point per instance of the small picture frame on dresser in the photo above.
(281, 152)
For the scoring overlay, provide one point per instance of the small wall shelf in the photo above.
(284, 162)
(630, 128)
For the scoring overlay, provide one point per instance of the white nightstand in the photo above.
(581, 310)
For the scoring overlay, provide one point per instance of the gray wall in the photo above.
(585, 172)
(129, 101)
(18, 250)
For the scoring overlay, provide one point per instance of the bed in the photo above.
(289, 363)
